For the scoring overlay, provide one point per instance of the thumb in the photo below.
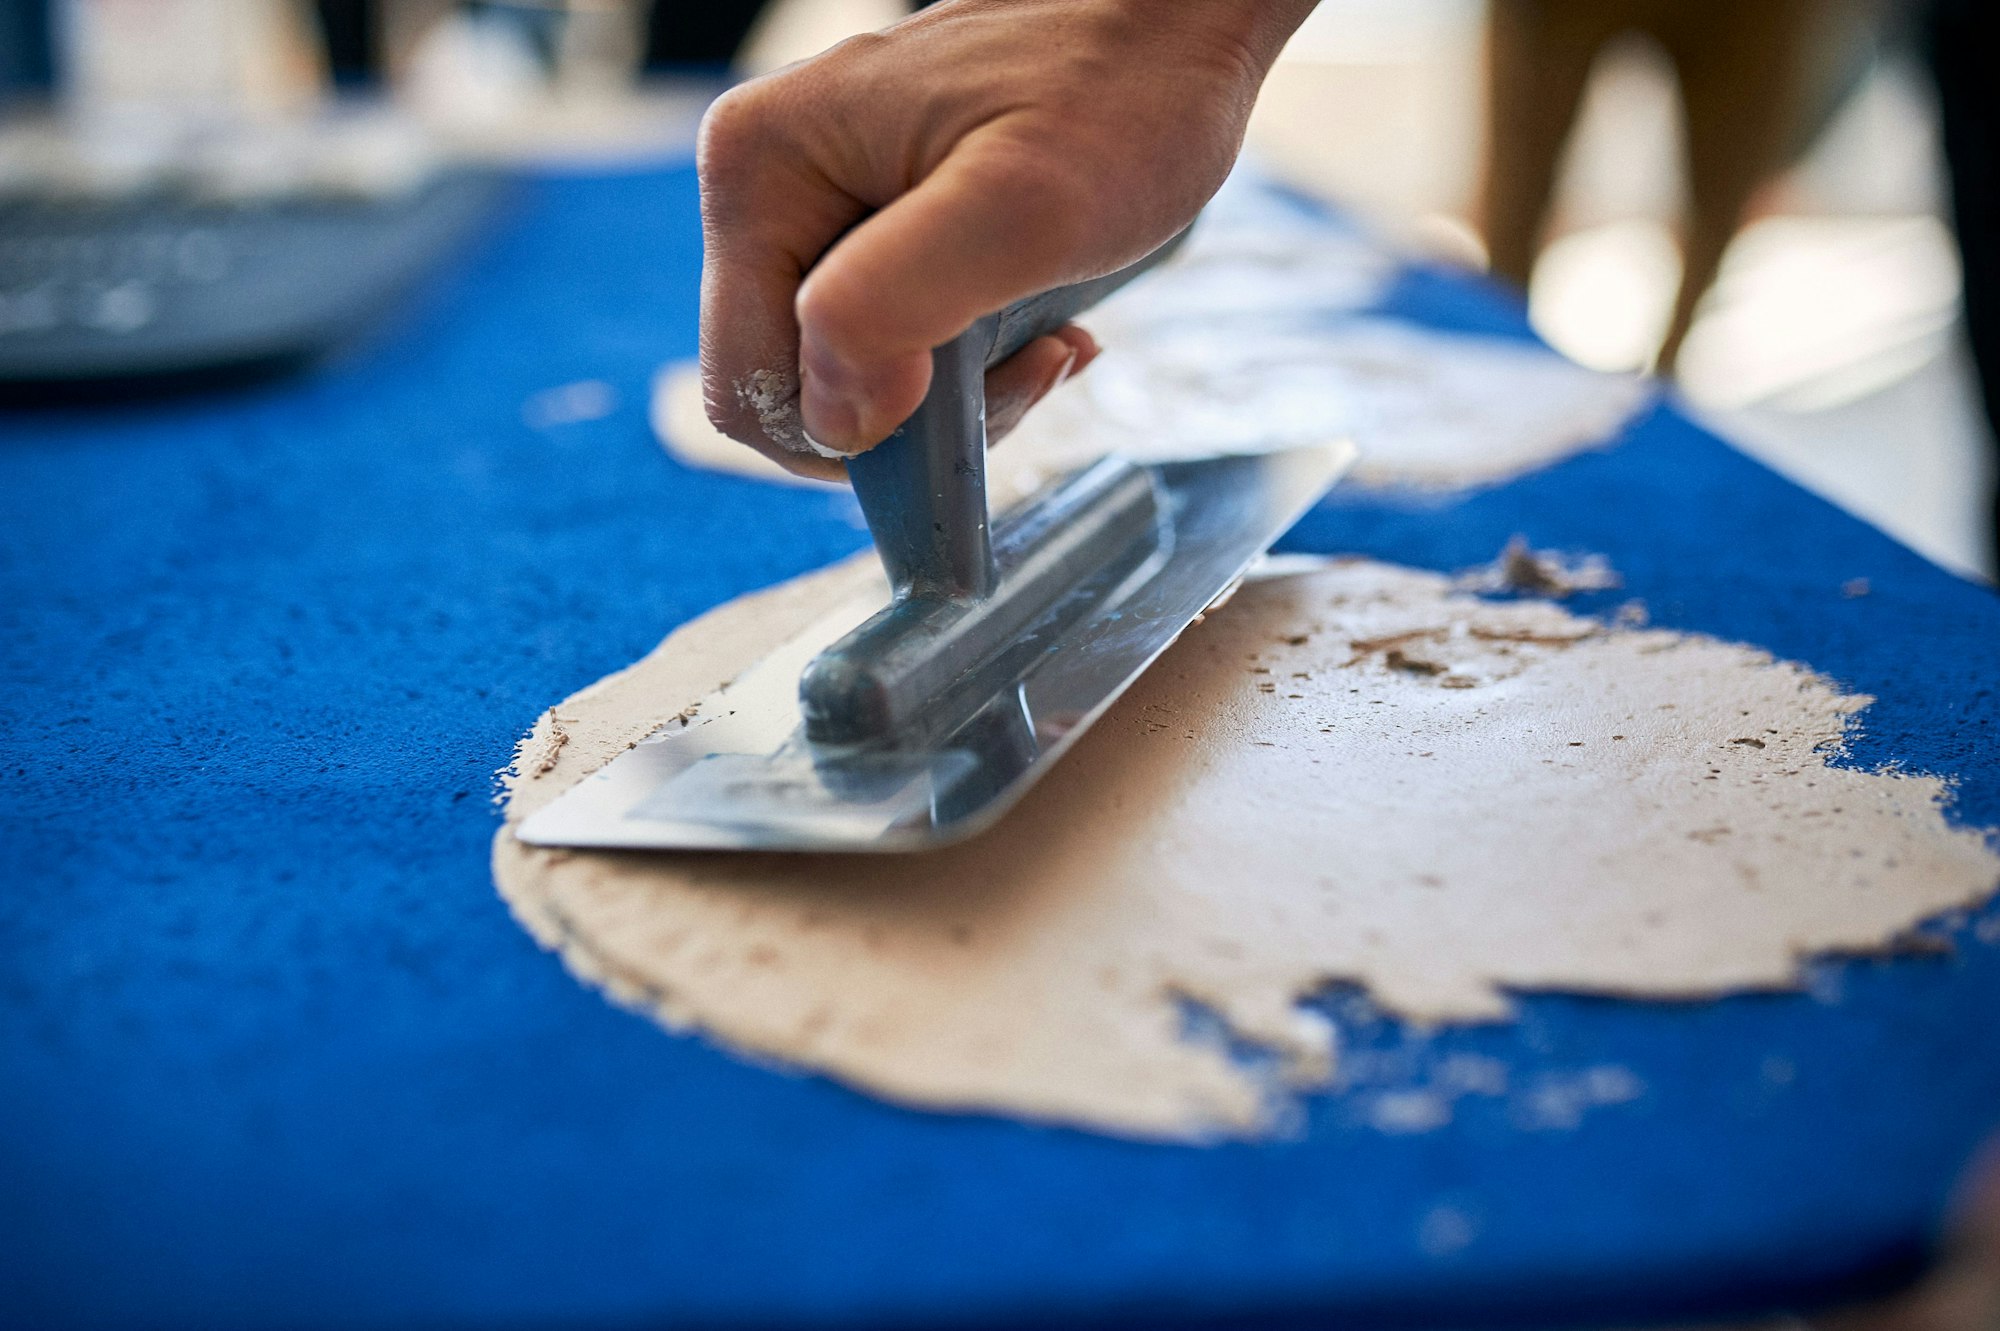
(991, 224)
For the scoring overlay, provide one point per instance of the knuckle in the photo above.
(733, 129)
(1056, 206)
(854, 54)
(834, 307)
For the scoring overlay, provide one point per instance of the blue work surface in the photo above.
(273, 1053)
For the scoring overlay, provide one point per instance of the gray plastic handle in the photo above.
(923, 489)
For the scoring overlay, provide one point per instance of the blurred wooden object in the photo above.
(1758, 79)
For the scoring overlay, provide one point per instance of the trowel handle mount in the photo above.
(923, 489)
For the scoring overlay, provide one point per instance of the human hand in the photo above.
(866, 206)
(1962, 1292)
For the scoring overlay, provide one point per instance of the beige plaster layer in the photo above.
(1351, 774)
(1428, 410)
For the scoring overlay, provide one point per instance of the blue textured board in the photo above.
(273, 1053)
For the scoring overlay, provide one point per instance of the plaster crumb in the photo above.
(1472, 1074)
(1398, 659)
(1854, 588)
(774, 396)
(1561, 1101)
(579, 403)
(1431, 839)
(1446, 1230)
(1407, 1112)
(1539, 573)
(551, 751)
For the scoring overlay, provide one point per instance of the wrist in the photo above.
(1252, 32)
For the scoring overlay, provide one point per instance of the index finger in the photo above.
(766, 218)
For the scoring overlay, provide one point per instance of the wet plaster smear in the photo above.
(1353, 774)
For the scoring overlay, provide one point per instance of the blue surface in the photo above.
(272, 1052)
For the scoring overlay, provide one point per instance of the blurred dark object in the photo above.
(110, 298)
(1758, 82)
(699, 33)
(679, 34)
(1961, 61)
(351, 33)
(26, 53)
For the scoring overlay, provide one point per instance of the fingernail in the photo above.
(832, 454)
(832, 419)
(1062, 375)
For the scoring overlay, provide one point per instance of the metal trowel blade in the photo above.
(742, 776)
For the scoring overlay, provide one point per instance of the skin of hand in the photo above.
(865, 206)
(1962, 1292)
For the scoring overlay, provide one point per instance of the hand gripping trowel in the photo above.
(1001, 645)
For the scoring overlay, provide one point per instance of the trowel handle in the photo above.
(1038, 316)
(923, 489)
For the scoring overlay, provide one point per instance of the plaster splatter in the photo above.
(1532, 572)
(1279, 806)
(773, 396)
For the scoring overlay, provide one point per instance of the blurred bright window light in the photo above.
(1602, 296)
(1389, 31)
(1815, 312)
(790, 30)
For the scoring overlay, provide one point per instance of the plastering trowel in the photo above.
(1001, 645)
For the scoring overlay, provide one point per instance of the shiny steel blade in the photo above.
(744, 777)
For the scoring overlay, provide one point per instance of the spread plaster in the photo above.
(1355, 774)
